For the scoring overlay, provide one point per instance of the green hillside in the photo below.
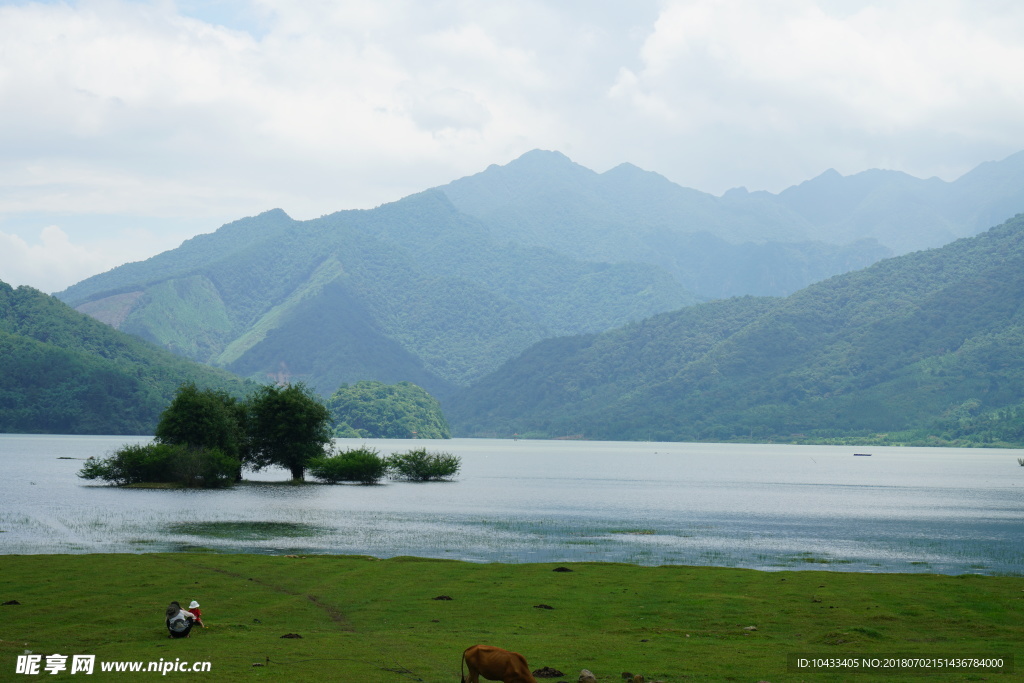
(376, 410)
(411, 291)
(927, 347)
(66, 373)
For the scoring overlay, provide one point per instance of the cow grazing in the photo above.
(495, 664)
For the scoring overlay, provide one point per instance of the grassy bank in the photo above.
(363, 619)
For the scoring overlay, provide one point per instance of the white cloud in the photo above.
(51, 264)
(156, 111)
(901, 84)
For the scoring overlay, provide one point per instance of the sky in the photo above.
(128, 126)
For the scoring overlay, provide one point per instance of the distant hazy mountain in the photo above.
(411, 291)
(442, 287)
(929, 344)
(742, 242)
(66, 373)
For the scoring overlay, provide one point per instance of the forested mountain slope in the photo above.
(410, 291)
(930, 343)
(440, 288)
(743, 242)
(64, 372)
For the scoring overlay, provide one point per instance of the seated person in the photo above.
(179, 621)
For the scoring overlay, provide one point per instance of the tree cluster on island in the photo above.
(205, 437)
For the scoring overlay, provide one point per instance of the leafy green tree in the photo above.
(208, 419)
(203, 418)
(287, 426)
(373, 409)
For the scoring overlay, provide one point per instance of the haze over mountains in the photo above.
(929, 344)
(743, 242)
(443, 287)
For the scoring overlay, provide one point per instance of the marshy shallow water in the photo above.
(760, 506)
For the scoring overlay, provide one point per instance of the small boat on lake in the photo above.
(863, 455)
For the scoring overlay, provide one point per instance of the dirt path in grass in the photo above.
(333, 612)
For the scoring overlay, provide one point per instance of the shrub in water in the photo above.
(363, 465)
(203, 467)
(158, 463)
(131, 464)
(421, 465)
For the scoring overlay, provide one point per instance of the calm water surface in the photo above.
(761, 506)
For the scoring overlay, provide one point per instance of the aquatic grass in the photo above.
(811, 559)
(246, 530)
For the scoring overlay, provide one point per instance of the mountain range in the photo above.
(742, 242)
(411, 291)
(927, 347)
(443, 287)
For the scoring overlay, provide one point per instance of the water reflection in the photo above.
(767, 507)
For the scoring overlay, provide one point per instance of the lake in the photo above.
(767, 507)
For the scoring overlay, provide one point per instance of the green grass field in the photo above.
(364, 619)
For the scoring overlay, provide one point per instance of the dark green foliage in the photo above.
(67, 373)
(376, 410)
(287, 427)
(203, 418)
(132, 464)
(419, 464)
(926, 348)
(164, 463)
(363, 465)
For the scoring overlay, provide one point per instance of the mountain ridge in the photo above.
(67, 373)
(927, 343)
(443, 286)
(432, 287)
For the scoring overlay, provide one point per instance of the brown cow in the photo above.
(495, 664)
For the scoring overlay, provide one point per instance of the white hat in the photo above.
(193, 604)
